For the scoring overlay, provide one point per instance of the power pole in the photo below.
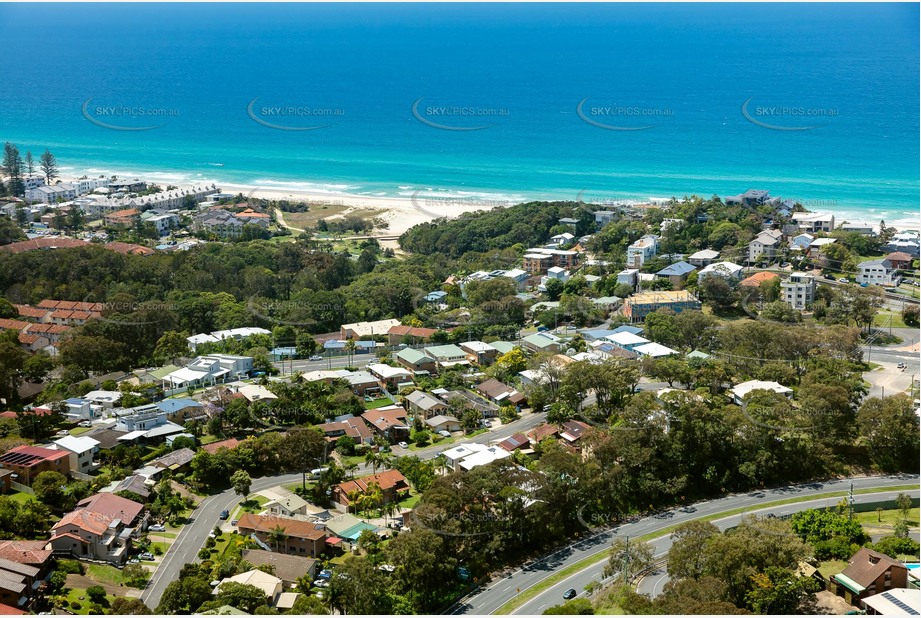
(850, 503)
(626, 568)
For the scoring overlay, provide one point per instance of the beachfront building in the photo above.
(51, 194)
(642, 250)
(861, 227)
(603, 217)
(799, 290)
(813, 222)
(878, 272)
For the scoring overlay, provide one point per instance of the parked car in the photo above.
(85, 424)
(444, 433)
(829, 277)
(224, 514)
(157, 528)
(843, 280)
(146, 556)
(234, 522)
(902, 365)
(321, 583)
(63, 432)
(570, 594)
(402, 445)
(316, 357)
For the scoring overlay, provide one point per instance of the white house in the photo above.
(628, 276)
(814, 221)
(642, 250)
(739, 392)
(764, 245)
(702, 258)
(270, 585)
(654, 350)
(468, 456)
(799, 290)
(209, 370)
(727, 270)
(81, 450)
(878, 272)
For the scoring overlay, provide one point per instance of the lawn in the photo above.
(21, 497)
(832, 567)
(104, 574)
(889, 518)
(882, 319)
(76, 431)
(410, 502)
(252, 505)
(377, 403)
(78, 595)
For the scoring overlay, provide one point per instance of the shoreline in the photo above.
(404, 206)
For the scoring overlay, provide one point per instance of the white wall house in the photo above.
(877, 272)
(799, 290)
(642, 250)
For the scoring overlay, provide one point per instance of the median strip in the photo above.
(556, 578)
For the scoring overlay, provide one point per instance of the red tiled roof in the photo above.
(757, 279)
(8, 610)
(385, 419)
(412, 331)
(867, 565)
(31, 312)
(53, 329)
(94, 523)
(29, 456)
(32, 553)
(128, 248)
(7, 324)
(899, 256)
(45, 242)
(292, 527)
(112, 506)
(127, 212)
(389, 479)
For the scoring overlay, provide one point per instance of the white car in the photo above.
(402, 445)
(157, 528)
(85, 424)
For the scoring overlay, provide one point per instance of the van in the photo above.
(316, 472)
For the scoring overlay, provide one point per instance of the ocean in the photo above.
(499, 102)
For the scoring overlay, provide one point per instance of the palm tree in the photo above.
(350, 347)
(350, 467)
(374, 460)
(355, 497)
(441, 463)
(277, 536)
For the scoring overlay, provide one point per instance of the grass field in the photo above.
(832, 567)
(377, 403)
(104, 574)
(75, 594)
(889, 518)
(882, 319)
(21, 497)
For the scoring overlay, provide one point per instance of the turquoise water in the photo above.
(680, 73)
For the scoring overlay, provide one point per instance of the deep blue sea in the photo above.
(817, 102)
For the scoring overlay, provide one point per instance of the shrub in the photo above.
(157, 550)
(76, 605)
(204, 553)
(71, 567)
(96, 594)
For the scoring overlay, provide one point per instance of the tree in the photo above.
(12, 168)
(628, 558)
(96, 594)
(357, 587)
(780, 311)
(242, 596)
(424, 566)
(778, 591)
(890, 427)
(686, 556)
(171, 346)
(135, 575)
(127, 606)
(910, 315)
(184, 595)
(49, 166)
(51, 488)
(554, 289)
(571, 608)
(301, 449)
(30, 164)
(241, 482)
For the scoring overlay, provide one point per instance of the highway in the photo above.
(192, 537)
(505, 589)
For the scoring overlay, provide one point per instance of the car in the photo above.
(63, 432)
(224, 514)
(316, 357)
(402, 445)
(843, 280)
(444, 434)
(134, 561)
(146, 556)
(234, 522)
(570, 594)
(320, 583)
(902, 365)
(85, 424)
(829, 277)
(157, 528)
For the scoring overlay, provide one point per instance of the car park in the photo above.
(570, 594)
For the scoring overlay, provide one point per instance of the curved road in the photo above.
(503, 590)
(192, 537)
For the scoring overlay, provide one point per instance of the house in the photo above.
(728, 271)
(252, 392)
(270, 585)
(424, 405)
(642, 250)
(399, 333)
(562, 240)
(816, 250)
(351, 426)
(18, 584)
(539, 260)
(443, 423)
(367, 329)
(181, 410)
(436, 296)
(287, 567)
(175, 461)
(676, 273)
(603, 217)
(627, 341)
(542, 342)
(899, 260)
(447, 355)
(903, 243)
(878, 272)
(479, 352)
(392, 484)
(288, 505)
(755, 281)
(391, 378)
(861, 227)
(653, 350)
(134, 483)
(868, 573)
(572, 431)
(500, 394)
(514, 442)
(502, 347)
(31, 554)
(208, 371)
(799, 290)
(702, 258)
(637, 307)
(751, 198)
(114, 507)
(93, 536)
(285, 535)
(388, 422)
(123, 218)
(27, 462)
(628, 276)
(764, 246)
(468, 456)
(542, 432)
(362, 383)
(82, 450)
(895, 602)
(801, 242)
(740, 391)
(416, 361)
(813, 222)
